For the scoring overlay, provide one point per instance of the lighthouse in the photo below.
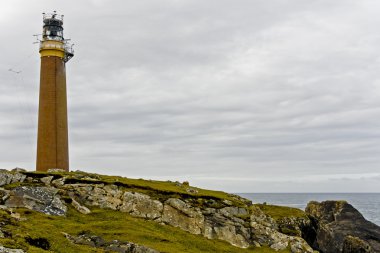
(52, 137)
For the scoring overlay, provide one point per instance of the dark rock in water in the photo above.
(340, 228)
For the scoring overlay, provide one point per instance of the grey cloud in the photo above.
(194, 89)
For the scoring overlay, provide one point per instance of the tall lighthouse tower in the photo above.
(55, 51)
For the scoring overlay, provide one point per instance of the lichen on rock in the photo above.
(141, 205)
(42, 199)
(179, 214)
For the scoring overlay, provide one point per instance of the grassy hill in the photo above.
(34, 231)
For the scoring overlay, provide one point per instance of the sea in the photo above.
(367, 203)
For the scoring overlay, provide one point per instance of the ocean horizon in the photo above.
(368, 204)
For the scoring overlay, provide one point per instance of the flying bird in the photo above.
(14, 71)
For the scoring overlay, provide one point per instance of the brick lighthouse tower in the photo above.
(55, 51)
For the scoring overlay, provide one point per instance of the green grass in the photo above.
(279, 212)
(110, 225)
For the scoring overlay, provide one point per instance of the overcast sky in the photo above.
(242, 96)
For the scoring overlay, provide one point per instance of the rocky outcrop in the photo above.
(242, 226)
(225, 224)
(212, 223)
(340, 228)
(79, 207)
(41, 199)
(111, 246)
(8, 250)
(141, 205)
(353, 244)
(7, 177)
(179, 214)
(265, 230)
(294, 226)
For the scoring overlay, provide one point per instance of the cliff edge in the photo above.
(59, 211)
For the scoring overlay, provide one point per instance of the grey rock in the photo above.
(227, 202)
(109, 196)
(41, 199)
(191, 190)
(335, 221)
(208, 211)
(8, 250)
(179, 214)
(18, 170)
(47, 180)
(128, 247)
(7, 177)
(295, 226)
(259, 217)
(4, 195)
(299, 245)
(281, 245)
(353, 244)
(220, 224)
(59, 182)
(229, 233)
(2, 207)
(264, 231)
(55, 170)
(114, 246)
(233, 211)
(141, 205)
(79, 207)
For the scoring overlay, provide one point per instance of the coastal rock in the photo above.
(268, 236)
(259, 217)
(223, 225)
(230, 234)
(8, 250)
(41, 199)
(233, 211)
(335, 221)
(4, 195)
(178, 214)
(353, 244)
(17, 169)
(175, 212)
(47, 180)
(111, 246)
(79, 207)
(141, 205)
(58, 182)
(265, 231)
(103, 196)
(7, 177)
(242, 226)
(191, 190)
(296, 226)
(55, 170)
